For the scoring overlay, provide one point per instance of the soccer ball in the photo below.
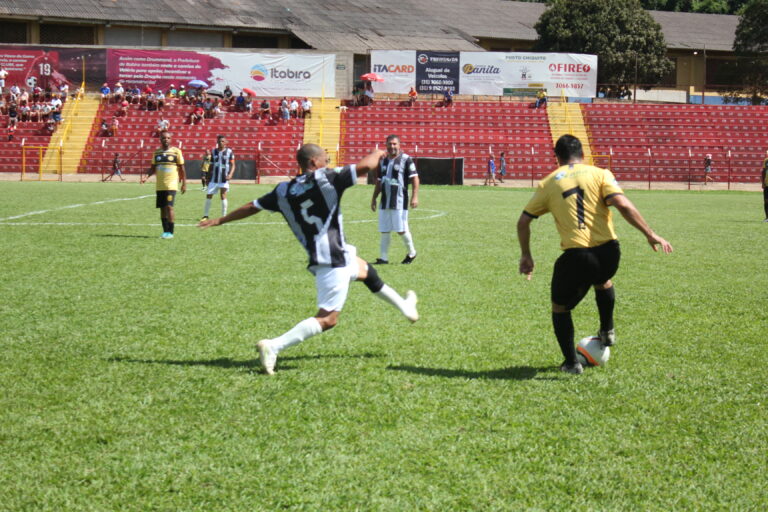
(591, 352)
(31, 82)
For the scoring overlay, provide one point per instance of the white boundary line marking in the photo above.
(435, 214)
(40, 212)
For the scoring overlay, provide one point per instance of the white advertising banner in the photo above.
(397, 68)
(276, 74)
(496, 73)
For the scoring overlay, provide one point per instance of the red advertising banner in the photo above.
(159, 68)
(50, 67)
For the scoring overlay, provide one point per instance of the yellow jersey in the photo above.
(576, 196)
(166, 162)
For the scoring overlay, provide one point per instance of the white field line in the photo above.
(40, 212)
(435, 214)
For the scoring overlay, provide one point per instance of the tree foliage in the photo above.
(623, 36)
(703, 6)
(751, 48)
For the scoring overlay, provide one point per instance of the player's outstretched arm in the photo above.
(370, 161)
(244, 211)
(524, 238)
(632, 215)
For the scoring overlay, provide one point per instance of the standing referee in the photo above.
(578, 196)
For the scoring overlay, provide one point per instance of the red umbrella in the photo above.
(249, 91)
(371, 77)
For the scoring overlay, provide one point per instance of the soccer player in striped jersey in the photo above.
(764, 181)
(168, 164)
(394, 174)
(220, 172)
(310, 204)
(579, 196)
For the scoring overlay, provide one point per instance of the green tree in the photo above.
(625, 38)
(751, 48)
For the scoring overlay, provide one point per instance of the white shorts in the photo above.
(332, 283)
(213, 187)
(393, 220)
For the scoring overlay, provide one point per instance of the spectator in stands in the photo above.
(37, 94)
(294, 108)
(541, 98)
(56, 102)
(160, 100)
(217, 110)
(208, 107)
(490, 177)
(240, 103)
(601, 92)
(64, 91)
(764, 182)
(106, 92)
(3, 76)
(45, 112)
(285, 112)
(306, 108)
(118, 93)
(3, 105)
(183, 94)
(368, 93)
(448, 97)
(114, 125)
(13, 113)
(412, 96)
(34, 113)
(11, 131)
(162, 126)
(197, 115)
(123, 110)
(23, 98)
(56, 115)
(104, 128)
(502, 167)
(15, 92)
(357, 96)
(625, 93)
(249, 103)
(24, 113)
(172, 92)
(265, 111)
(228, 95)
(116, 169)
(50, 126)
(133, 95)
(708, 169)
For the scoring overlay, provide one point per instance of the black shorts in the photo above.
(765, 194)
(165, 198)
(578, 269)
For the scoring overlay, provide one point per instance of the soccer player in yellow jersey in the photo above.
(764, 181)
(578, 196)
(168, 165)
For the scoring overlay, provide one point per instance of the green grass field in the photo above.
(130, 381)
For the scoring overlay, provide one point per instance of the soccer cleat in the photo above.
(607, 338)
(574, 368)
(408, 259)
(766, 220)
(166, 235)
(380, 261)
(267, 357)
(205, 217)
(412, 313)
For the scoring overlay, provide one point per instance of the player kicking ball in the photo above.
(310, 204)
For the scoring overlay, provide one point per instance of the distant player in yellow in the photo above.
(578, 196)
(764, 181)
(168, 164)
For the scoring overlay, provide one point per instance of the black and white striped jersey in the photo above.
(310, 205)
(220, 161)
(394, 175)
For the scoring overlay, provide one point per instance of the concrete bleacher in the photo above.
(272, 146)
(31, 133)
(473, 128)
(669, 142)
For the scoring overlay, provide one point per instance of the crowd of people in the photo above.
(32, 105)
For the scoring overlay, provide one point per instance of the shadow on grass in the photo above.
(125, 236)
(511, 373)
(251, 364)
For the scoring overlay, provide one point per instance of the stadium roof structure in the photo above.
(362, 25)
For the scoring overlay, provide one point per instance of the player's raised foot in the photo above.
(408, 259)
(204, 217)
(607, 338)
(766, 220)
(380, 261)
(574, 368)
(411, 313)
(166, 235)
(267, 357)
